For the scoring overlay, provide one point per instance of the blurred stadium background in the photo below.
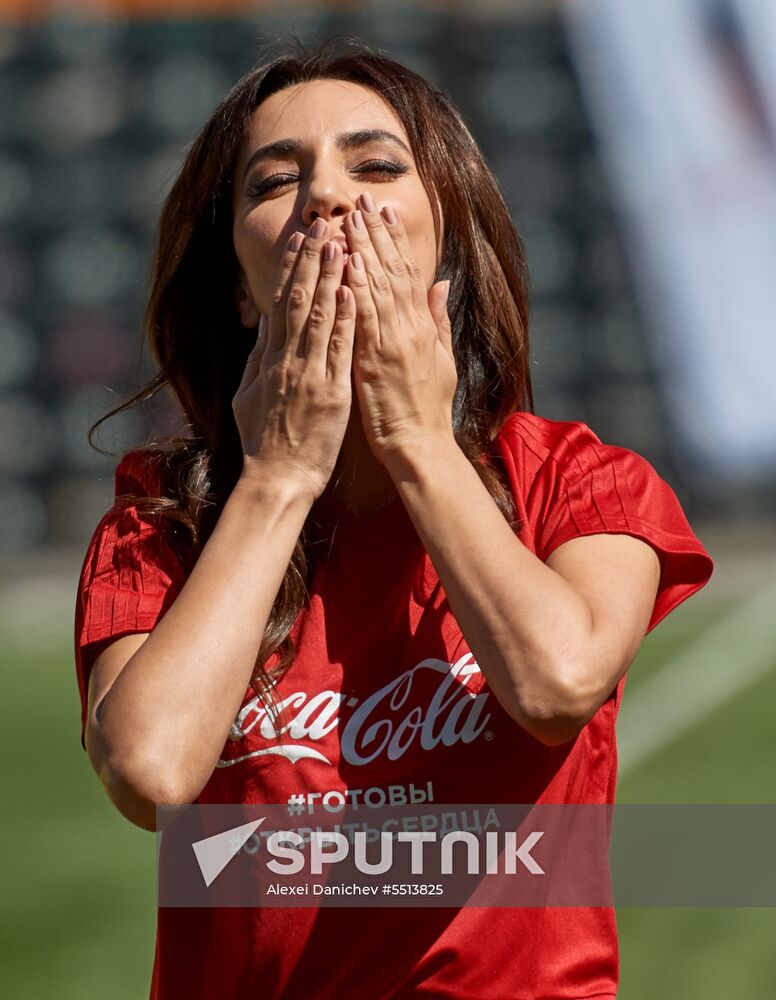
(98, 104)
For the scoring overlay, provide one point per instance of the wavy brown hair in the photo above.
(201, 348)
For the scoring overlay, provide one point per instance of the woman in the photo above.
(365, 512)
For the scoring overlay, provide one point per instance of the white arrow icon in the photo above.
(214, 853)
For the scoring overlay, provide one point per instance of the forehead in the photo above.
(318, 110)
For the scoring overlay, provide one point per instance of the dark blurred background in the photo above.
(96, 115)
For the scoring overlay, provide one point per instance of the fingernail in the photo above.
(328, 252)
(317, 229)
(358, 220)
(357, 262)
(367, 202)
(295, 242)
(342, 296)
(389, 215)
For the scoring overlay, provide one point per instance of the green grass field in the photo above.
(78, 922)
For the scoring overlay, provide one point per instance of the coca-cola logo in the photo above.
(386, 722)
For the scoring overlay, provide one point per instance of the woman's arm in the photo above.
(157, 725)
(551, 639)
(155, 734)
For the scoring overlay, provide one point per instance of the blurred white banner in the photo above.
(682, 94)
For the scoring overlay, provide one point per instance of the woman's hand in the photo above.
(293, 403)
(403, 363)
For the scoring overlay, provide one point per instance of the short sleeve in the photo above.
(571, 484)
(131, 572)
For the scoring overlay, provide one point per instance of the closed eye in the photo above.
(269, 184)
(381, 167)
(371, 167)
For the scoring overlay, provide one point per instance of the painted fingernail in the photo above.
(357, 261)
(367, 202)
(358, 220)
(328, 252)
(295, 242)
(389, 214)
(317, 229)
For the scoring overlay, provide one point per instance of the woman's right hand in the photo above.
(293, 403)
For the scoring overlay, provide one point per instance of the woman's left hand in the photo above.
(403, 364)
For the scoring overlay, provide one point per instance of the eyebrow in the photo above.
(345, 141)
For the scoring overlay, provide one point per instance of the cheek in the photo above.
(259, 247)
(419, 223)
(254, 239)
(423, 243)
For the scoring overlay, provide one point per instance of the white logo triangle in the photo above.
(214, 853)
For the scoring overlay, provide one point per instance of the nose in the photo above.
(327, 196)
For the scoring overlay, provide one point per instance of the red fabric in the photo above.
(355, 645)
(130, 575)
(567, 483)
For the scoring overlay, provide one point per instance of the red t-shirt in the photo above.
(378, 641)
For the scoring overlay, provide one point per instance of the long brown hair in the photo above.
(201, 348)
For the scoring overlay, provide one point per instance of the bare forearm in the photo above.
(170, 709)
(524, 623)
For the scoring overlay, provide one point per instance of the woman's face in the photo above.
(309, 151)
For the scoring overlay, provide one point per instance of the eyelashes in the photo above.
(373, 167)
(269, 184)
